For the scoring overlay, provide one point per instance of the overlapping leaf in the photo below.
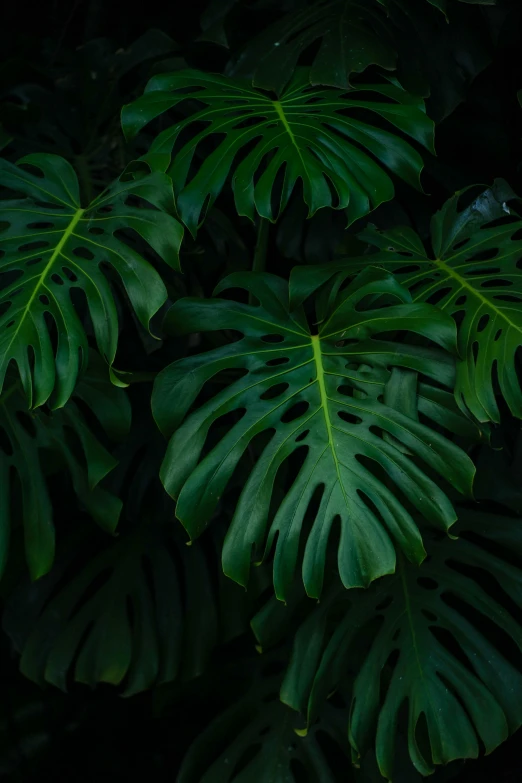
(254, 740)
(338, 37)
(51, 245)
(27, 440)
(439, 642)
(139, 612)
(323, 396)
(311, 135)
(474, 274)
(352, 34)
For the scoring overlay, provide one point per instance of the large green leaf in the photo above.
(441, 642)
(311, 135)
(474, 275)
(28, 439)
(255, 740)
(52, 245)
(140, 612)
(325, 397)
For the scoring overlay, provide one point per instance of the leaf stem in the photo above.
(259, 260)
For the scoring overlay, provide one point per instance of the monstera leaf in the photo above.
(441, 642)
(324, 397)
(474, 275)
(339, 38)
(307, 134)
(27, 440)
(352, 34)
(140, 612)
(255, 740)
(51, 245)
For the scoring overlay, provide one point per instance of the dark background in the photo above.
(95, 735)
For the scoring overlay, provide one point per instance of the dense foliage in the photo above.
(260, 391)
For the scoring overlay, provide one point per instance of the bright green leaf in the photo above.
(322, 396)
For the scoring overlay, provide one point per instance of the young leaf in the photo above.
(322, 397)
(308, 134)
(51, 245)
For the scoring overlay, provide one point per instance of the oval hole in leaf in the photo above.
(349, 418)
(497, 281)
(295, 412)
(40, 225)
(437, 296)
(272, 338)
(83, 252)
(302, 436)
(427, 583)
(484, 320)
(276, 362)
(274, 391)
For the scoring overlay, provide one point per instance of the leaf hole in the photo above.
(40, 224)
(272, 338)
(483, 322)
(302, 436)
(278, 361)
(427, 583)
(56, 279)
(438, 296)
(83, 252)
(349, 418)
(295, 412)
(274, 391)
(39, 245)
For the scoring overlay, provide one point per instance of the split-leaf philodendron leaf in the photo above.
(441, 643)
(50, 245)
(325, 397)
(474, 274)
(310, 135)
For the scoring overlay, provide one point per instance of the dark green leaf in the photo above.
(28, 437)
(429, 640)
(51, 245)
(308, 134)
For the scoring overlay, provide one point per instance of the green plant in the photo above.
(318, 381)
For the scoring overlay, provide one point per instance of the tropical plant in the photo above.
(268, 337)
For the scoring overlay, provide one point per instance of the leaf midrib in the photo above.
(55, 254)
(463, 283)
(318, 358)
